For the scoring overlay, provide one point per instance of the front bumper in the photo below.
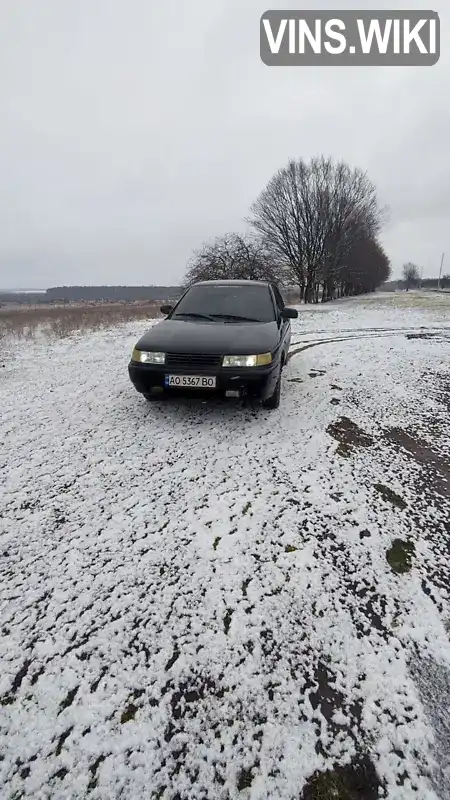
(257, 382)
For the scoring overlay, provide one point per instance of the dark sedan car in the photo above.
(225, 337)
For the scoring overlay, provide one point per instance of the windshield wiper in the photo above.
(192, 314)
(235, 316)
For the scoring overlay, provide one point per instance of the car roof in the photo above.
(232, 283)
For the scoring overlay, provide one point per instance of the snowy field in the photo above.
(210, 601)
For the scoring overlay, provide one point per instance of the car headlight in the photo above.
(148, 357)
(260, 360)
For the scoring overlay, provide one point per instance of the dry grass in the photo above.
(433, 301)
(60, 321)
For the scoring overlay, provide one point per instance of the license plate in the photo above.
(190, 381)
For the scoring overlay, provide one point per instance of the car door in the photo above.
(284, 324)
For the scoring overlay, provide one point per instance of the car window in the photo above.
(278, 297)
(251, 303)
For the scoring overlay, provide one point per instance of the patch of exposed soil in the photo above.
(343, 450)
(317, 373)
(391, 496)
(357, 781)
(349, 435)
(400, 556)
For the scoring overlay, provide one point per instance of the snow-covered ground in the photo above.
(195, 598)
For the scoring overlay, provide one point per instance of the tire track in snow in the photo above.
(365, 335)
(393, 329)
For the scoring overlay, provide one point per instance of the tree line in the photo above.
(315, 225)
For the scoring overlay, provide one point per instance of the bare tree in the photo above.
(310, 215)
(411, 275)
(235, 257)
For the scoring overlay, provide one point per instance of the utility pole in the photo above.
(421, 277)
(440, 272)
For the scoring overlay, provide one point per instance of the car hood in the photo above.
(176, 336)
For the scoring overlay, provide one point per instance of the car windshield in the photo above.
(227, 304)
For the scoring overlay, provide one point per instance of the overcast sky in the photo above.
(132, 130)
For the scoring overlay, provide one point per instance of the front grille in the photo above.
(192, 361)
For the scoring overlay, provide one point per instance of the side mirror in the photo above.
(289, 313)
(166, 309)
